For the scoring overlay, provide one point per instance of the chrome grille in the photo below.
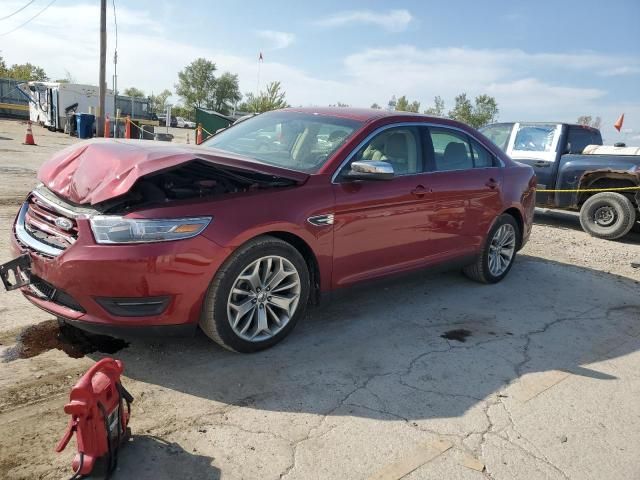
(42, 222)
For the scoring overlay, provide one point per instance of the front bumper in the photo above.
(93, 276)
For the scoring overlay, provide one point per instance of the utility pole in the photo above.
(102, 86)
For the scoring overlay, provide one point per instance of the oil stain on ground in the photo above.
(49, 335)
(459, 335)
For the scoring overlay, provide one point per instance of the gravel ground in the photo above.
(429, 376)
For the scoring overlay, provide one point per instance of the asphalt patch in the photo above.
(50, 335)
(459, 335)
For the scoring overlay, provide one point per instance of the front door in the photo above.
(380, 226)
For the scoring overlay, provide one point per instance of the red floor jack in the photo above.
(98, 417)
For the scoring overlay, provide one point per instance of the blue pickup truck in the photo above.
(571, 157)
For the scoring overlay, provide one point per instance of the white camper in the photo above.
(52, 103)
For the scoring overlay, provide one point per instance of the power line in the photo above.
(32, 18)
(18, 11)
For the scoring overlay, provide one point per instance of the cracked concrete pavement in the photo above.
(545, 387)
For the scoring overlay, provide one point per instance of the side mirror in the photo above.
(370, 171)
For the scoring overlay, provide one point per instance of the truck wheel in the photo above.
(257, 296)
(607, 215)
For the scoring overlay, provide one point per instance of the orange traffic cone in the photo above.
(107, 127)
(127, 128)
(619, 122)
(28, 139)
(199, 135)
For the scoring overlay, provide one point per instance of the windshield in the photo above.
(535, 137)
(499, 134)
(297, 141)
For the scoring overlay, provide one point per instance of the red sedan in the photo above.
(239, 234)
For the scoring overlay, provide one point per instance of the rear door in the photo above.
(536, 144)
(464, 188)
(381, 226)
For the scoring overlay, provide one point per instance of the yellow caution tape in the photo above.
(588, 190)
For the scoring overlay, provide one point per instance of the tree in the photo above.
(227, 93)
(197, 83)
(68, 78)
(271, 99)
(133, 92)
(340, 105)
(375, 106)
(391, 104)
(438, 107)
(403, 105)
(159, 102)
(483, 112)
(23, 71)
(588, 121)
(184, 112)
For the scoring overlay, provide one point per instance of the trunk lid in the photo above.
(97, 170)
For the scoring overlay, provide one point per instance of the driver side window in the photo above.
(397, 146)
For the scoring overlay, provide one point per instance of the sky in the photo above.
(542, 60)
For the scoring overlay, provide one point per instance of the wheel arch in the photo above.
(517, 215)
(609, 179)
(307, 253)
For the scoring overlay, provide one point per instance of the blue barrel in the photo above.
(85, 124)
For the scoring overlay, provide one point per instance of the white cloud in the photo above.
(276, 40)
(392, 20)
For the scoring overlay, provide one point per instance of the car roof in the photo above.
(359, 114)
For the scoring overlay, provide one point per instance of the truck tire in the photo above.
(607, 215)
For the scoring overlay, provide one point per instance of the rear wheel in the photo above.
(498, 253)
(607, 215)
(257, 296)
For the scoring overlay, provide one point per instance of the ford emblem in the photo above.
(63, 223)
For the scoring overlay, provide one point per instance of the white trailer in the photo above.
(51, 103)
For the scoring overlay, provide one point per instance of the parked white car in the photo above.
(184, 123)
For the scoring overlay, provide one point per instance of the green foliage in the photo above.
(271, 99)
(184, 112)
(438, 107)
(198, 87)
(227, 93)
(484, 111)
(197, 83)
(133, 92)
(403, 105)
(24, 71)
(159, 102)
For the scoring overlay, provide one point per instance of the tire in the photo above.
(219, 305)
(607, 215)
(482, 270)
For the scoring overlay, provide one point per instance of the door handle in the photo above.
(419, 191)
(491, 183)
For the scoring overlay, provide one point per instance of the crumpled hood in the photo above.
(93, 171)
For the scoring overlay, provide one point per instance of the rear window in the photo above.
(580, 137)
(293, 140)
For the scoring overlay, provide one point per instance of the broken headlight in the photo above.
(112, 229)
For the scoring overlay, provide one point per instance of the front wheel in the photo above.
(499, 252)
(607, 215)
(257, 296)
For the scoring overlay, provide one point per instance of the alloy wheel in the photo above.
(263, 299)
(502, 249)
